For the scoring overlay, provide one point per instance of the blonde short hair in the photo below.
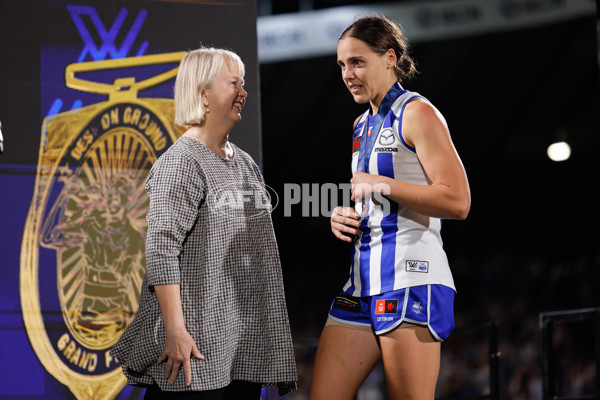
(196, 72)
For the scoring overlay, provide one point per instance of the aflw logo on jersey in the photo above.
(417, 266)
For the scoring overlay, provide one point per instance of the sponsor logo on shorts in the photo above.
(386, 307)
(344, 303)
(417, 266)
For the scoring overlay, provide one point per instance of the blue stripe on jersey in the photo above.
(385, 165)
(365, 257)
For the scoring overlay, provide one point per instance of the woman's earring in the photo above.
(207, 110)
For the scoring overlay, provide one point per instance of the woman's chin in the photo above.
(360, 99)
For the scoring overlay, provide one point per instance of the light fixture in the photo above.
(559, 151)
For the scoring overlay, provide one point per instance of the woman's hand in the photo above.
(179, 344)
(344, 220)
(177, 350)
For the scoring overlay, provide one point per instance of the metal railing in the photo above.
(548, 321)
(490, 330)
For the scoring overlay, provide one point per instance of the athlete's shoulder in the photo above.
(356, 121)
(360, 119)
(421, 109)
(419, 105)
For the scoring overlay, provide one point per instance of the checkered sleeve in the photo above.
(176, 190)
(257, 172)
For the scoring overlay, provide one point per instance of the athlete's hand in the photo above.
(363, 185)
(344, 220)
(178, 348)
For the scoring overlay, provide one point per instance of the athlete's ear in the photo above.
(391, 58)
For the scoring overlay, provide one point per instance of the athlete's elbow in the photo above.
(462, 214)
(457, 203)
(461, 210)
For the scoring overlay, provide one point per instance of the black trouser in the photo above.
(237, 390)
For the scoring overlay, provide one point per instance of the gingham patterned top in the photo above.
(210, 231)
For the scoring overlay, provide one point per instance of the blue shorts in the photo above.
(427, 305)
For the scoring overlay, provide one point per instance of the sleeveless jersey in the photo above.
(395, 247)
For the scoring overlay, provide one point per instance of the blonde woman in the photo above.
(212, 321)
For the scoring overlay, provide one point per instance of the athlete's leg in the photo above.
(345, 357)
(411, 360)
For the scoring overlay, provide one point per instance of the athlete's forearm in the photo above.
(439, 201)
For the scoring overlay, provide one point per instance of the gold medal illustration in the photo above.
(82, 258)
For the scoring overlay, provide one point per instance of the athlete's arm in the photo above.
(179, 344)
(448, 196)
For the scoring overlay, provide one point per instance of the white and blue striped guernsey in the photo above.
(395, 247)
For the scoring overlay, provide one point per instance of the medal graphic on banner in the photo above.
(82, 257)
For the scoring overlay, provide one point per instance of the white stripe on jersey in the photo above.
(375, 259)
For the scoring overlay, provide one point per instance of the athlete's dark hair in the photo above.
(382, 34)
